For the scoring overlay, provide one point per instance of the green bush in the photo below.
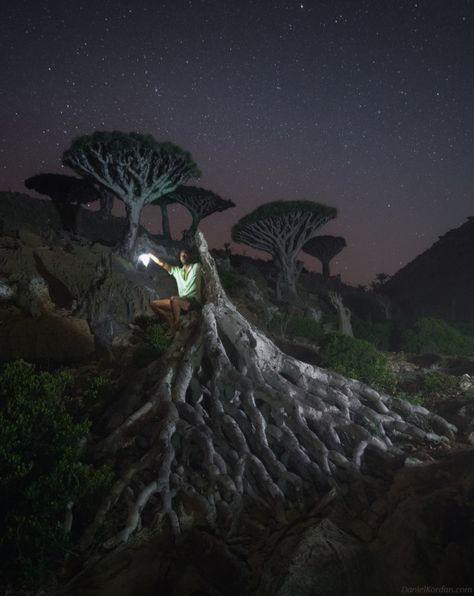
(40, 470)
(438, 382)
(377, 334)
(155, 343)
(437, 336)
(297, 327)
(414, 398)
(229, 280)
(356, 358)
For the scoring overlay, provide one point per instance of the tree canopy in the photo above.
(135, 167)
(199, 202)
(325, 248)
(67, 194)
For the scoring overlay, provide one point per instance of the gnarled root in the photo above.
(233, 424)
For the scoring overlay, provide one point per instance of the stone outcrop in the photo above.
(48, 338)
(440, 281)
(61, 299)
(417, 531)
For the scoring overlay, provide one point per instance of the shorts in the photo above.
(194, 303)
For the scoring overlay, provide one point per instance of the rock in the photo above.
(91, 282)
(427, 535)
(46, 338)
(306, 565)
(466, 384)
(39, 300)
(315, 314)
(6, 292)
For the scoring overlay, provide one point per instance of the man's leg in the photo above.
(177, 305)
(163, 308)
(160, 305)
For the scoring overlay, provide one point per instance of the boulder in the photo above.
(48, 337)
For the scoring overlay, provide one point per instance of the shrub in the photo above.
(229, 280)
(377, 334)
(414, 398)
(356, 358)
(438, 382)
(297, 327)
(155, 343)
(435, 335)
(40, 470)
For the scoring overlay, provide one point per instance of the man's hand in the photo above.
(159, 262)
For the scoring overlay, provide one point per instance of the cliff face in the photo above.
(440, 281)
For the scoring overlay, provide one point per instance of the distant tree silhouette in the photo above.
(379, 281)
(136, 168)
(325, 248)
(200, 203)
(67, 194)
(282, 228)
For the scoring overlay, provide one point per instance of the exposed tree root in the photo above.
(233, 424)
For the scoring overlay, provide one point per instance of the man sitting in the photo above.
(189, 281)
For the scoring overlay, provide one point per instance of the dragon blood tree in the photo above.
(67, 194)
(325, 248)
(226, 431)
(136, 168)
(282, 228)
(200, 203)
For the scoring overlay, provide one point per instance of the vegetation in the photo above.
(41, 472)
(297, 327)
(376, 333)
(228, 279)
(416, 399)
(200, 203)
(67, 194)
(380, 280)
(438, 382)
(428, 334)
(282, 228)
(154, 344)
(136, 168)
(356, 358)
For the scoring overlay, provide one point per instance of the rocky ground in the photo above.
(73, 302)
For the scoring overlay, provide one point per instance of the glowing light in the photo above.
(144, 258)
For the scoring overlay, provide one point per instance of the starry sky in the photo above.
(364, 105)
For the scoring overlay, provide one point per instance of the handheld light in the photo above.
(144, 258)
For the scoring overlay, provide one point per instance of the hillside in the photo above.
(440, 281)
(237, 466)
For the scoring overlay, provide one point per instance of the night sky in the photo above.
(362, 105)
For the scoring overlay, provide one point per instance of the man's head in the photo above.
(184, 256)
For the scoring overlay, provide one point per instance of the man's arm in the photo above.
(159, 262)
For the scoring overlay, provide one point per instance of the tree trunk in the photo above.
(326, 273)
(188, 236)
(165, 222)
(343, 314)
(227, 428)
(133, 211)
(68, 212)
(106, 204)
(287, 276)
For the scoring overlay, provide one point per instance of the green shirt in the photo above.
(189, 282)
